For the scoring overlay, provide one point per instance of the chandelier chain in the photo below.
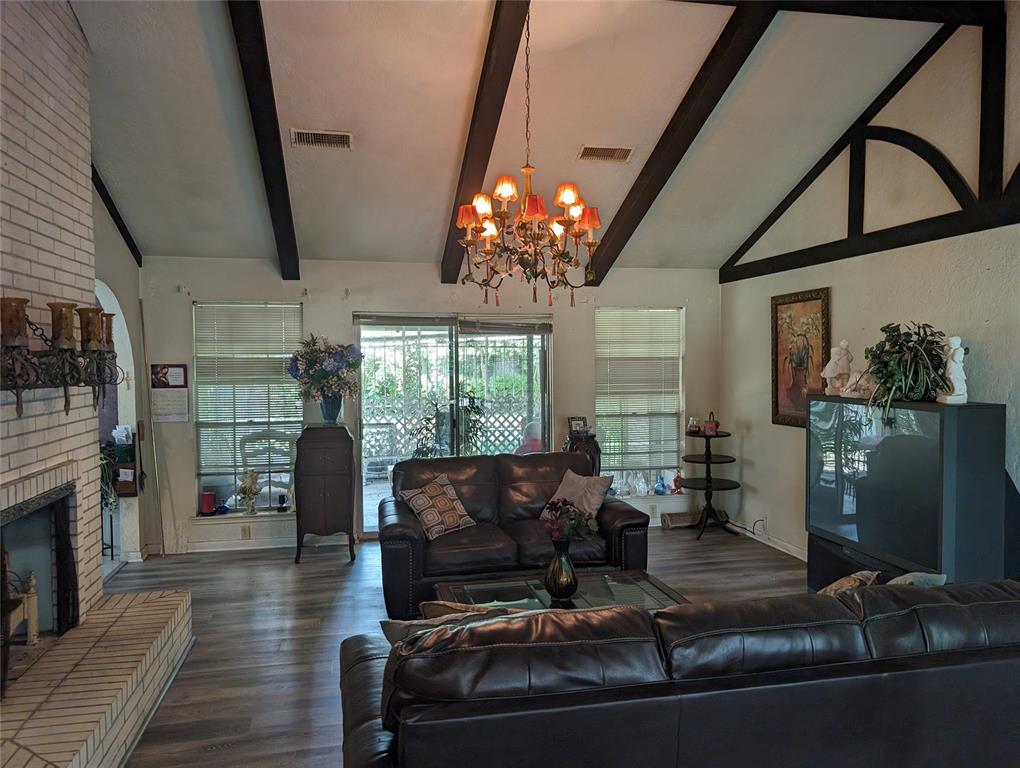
(527, 89)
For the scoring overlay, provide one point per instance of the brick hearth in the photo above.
(85, 703)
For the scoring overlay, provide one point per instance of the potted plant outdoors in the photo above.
(565, 522)
(908, 364)
(327, 373)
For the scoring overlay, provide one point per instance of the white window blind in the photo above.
(248, 410)
(638, 398)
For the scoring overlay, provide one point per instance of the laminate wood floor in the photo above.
(261, 686)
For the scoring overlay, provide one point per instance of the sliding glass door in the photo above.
(448, 386)
(503, 385)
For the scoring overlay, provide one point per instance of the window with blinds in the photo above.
(248, 410)
(638, 395)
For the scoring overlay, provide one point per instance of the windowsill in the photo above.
(233, 517)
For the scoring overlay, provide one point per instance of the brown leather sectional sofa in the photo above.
(881, 677)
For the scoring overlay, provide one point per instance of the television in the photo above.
(924, 493)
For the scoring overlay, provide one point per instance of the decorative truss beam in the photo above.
(976, 12)
(118, 220)
(931, 155)
(919, 60)
(250, 38)
(991, 207)
(497, 67)
(738, 39)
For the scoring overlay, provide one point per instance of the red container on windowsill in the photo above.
(207, 503)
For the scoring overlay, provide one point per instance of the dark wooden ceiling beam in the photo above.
(856, 128)
(965, 12)
(981, 216)
(118, 220)
(497, 67)
(250, 37)
(741, 34)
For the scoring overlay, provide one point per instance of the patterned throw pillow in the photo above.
(853, 581)
(437, 506)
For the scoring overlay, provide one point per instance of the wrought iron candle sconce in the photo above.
(62, 364)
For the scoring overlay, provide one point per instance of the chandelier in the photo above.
(538, 248)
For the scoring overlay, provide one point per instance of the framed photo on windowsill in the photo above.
(578, 425)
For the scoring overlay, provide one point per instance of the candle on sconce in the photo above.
(14, 319)
(91, 321)
(108, 331)
(62, 324)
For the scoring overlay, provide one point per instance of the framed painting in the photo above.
(800, 341)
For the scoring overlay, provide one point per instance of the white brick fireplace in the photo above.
(127, 647)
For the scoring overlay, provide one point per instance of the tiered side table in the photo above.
(709, 514)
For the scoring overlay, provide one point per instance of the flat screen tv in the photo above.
(874, 488)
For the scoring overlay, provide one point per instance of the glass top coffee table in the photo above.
(594, 590)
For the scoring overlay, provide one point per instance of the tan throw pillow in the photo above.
(437, 506)
(853, 581)
(585, 493)
(919, 579)
(434, 609)
(397, 631)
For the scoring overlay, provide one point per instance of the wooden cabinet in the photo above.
(324, 484)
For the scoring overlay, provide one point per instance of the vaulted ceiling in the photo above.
(172, 132)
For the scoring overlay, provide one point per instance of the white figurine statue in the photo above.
(837, 371)
(955, 374)
(861, 384)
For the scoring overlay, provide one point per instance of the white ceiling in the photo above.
(401, 76)
(171, 132)
(807, 80)
(613, 79)
(173, 139)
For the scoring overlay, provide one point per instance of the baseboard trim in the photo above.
(783, 546)
(280, 542)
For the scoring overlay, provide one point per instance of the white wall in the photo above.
(336, 290)
(967, 285)
(116, 268)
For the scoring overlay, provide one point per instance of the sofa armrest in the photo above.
(402, 544)
(625, 530)
(398, 523)
(366, 744)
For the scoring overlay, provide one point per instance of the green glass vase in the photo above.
(560, 578)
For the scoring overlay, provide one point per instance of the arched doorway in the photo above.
(120, 519)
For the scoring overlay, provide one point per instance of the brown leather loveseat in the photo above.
(504, 495)
(880, 677)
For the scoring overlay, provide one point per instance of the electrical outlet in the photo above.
(245, 532)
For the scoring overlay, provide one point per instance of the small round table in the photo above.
(709, 514)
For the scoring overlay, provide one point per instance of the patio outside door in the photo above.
(448, 386)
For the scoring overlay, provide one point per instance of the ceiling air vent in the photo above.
(320, 139)
(606, 154)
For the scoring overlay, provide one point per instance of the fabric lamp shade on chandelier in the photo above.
(529, 243)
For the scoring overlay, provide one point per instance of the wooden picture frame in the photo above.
(800, 347)
(577, 424)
